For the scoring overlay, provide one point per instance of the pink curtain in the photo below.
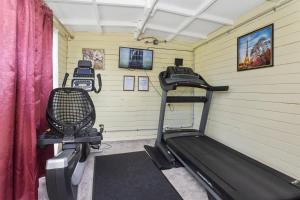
(25, 83)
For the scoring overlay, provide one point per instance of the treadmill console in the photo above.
(180, 76)
(181, 72)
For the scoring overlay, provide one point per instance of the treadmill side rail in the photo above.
(296, 183)
(180, 134)
(206, 184)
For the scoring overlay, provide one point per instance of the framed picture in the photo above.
(94, 55)
(143, 83)
(256, 49)
(128, 83)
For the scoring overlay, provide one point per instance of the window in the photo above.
(55, 58)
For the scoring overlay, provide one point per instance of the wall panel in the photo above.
(260, 115)
(131, 115)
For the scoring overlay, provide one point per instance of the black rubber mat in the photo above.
(130, 176)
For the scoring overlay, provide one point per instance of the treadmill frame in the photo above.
(215, 191)
(163, 135)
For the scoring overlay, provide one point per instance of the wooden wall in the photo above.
(260, 115)
(129, 115)
(62, 51)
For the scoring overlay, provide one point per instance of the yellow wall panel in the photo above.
(260, 114)
(62, 51)
(131, 115)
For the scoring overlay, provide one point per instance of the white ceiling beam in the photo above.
(169, 30)
(215, 19)
(70, 2)
(149, 7)
(114, 23)
(194, 35)
(159, 28)
(74, 22)
(79, 22)
(99, 27)
(202, 8)
(118, 23)
(169, 8)
(122, 3)
(161, 6)
(189, 13)
(128, 3)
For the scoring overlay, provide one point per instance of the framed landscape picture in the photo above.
(256, 49)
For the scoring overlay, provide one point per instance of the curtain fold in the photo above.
(8, 10)
(26, 81)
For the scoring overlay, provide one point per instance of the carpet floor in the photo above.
(182, 181)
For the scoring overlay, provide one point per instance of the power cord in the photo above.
(156, 90)
(101, 148)
(108, 146)
(171, 107)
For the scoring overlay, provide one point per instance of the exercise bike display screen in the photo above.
(83, 71)
(85, 84)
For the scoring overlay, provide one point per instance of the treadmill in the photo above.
(225, 173)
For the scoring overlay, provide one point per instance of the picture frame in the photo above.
(255, 50)
(96, 56)
(143, 83)
(128, 83)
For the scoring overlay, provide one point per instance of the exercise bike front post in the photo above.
(65, 80)
(99, 84)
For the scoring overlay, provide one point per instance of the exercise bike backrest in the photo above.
(84, 77)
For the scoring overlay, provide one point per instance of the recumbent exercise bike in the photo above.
(71, 116)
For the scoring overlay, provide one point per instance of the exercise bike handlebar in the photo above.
(65, 80)
(99, 84)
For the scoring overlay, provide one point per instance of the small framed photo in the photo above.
(128, 83)
(256, 49)
(143, 83)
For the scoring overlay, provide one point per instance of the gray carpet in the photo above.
(183, 182)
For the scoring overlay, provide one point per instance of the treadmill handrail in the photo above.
(219, 88)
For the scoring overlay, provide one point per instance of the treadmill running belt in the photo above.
(130, 176)
(239, 176)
